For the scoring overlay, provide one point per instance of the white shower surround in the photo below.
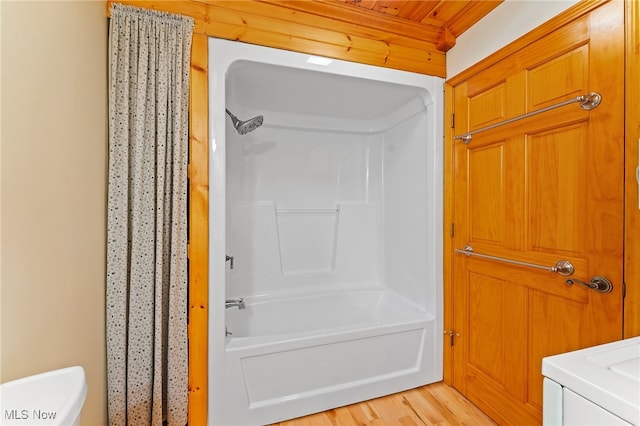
(333, 213)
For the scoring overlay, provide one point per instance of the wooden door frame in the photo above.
(198, 230)
(632, 134)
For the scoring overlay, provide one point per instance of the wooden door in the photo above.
(541, 189)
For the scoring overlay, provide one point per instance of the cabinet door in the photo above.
(578, 411)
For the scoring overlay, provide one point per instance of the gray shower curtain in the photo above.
(147, 355)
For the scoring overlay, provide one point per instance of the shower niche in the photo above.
(331, 206)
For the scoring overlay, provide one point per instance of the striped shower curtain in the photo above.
(147, 360)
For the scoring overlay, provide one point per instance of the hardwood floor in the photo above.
(436, 404)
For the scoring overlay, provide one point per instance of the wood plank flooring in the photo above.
(435, 404)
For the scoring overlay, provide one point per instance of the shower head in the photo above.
(244, 127)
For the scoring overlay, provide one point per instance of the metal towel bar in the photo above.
(562, 267)
(587, 102)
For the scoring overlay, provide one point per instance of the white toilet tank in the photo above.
(51, 398)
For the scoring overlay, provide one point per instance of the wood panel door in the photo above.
(541, 189)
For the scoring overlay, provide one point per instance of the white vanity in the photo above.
(593, 386)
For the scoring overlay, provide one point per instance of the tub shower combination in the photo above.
(325, 233)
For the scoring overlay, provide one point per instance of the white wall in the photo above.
(506, 23)
(53, 173)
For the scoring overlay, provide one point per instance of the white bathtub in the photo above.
(295, 316)
(296, 355)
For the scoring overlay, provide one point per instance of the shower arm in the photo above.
(234, 119)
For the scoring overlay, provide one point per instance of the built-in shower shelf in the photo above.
(307, 240)
(307, 211)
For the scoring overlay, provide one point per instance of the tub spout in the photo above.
(230, 303)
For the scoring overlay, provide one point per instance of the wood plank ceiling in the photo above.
(452, 16)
